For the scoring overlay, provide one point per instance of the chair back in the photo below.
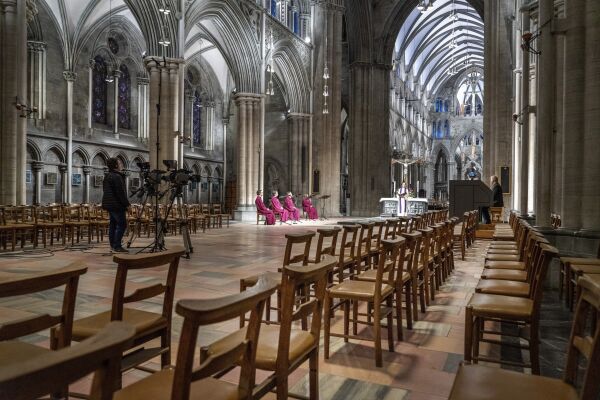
(387, 264)
(348, 242)
(294, 278)
(331, 234)
(391, 228)
(52, 372)
(585, 339)
(364, 239)
(198, 313)
(377, 234)
(426, 243)
(128, 262)
(413, 251)
(301, 240)
(23, 284)
(546, 254)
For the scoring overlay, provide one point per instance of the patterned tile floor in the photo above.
(421, 367)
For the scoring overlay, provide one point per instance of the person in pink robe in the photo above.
(308, 208)
(263, 210)
(278, 208)
(289, 205)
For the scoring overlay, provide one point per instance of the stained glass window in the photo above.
(113, 45)
(124, 98)
(99, 90)
(197, 128)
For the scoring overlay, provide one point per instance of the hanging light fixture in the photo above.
(164, 40)
(325, 77)
(164, 8)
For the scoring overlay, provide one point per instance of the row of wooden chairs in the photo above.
(510, 291)
(109, 346)
(464, 233)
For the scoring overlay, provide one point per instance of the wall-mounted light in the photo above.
(24, 109)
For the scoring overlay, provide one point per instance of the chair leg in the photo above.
(399, 314)
(390, 323)
(478, 324)
(282, 386)
(354, 317)
(468, 334)
(534, 348)
(327, 324)
(377, 335)
(313, 365)
(408, 303)
(346, 320)
(165, 358)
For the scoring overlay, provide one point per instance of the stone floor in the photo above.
(421, 367)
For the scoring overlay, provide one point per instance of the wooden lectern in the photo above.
(467, 196)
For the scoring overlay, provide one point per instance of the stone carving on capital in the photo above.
(37, 165)
(70, 76)
(35, 46)
(87, 170)
(142, 80)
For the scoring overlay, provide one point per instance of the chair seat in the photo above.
(580, 261)
(502, 257)
(504, 236)
(478, 382)
(361, 290)
(585, 269)
(503, 251)
(159, 386)
(506, 288)
(498, 306)
(268, 343)
(504, 243)
(13, 351)
(143, 322)
(520, 265)
(505, 274)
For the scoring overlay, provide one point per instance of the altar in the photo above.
(390, 206)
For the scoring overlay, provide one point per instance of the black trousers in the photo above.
(116, 228)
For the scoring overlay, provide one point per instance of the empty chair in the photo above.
(186, 382)
(148, 325)
(48, 373)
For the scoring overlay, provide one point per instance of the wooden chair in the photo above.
(49, 220)
(186, 382)
(363, 255)
(379, 293)
(567, 279)
(326, 234)
(74, 220)
(496, 214)
(523, 312)
(499, 384)
(49, 373)
(283, 348)
(347, 252)
(460, 234)
(148, 325)
(426, 266)
(218, 210)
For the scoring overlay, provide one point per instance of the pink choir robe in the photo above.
(309, 209)
(276, 205)
(289, 205)
(263, 210)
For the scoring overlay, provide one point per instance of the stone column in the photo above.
(116, 76)
(294, 146)
(164, 79)
(544, 152)
(574, 115)
(13, 80)
(70, 77)
(247, 153)
(142, 83)
(497, 118)
(92, 65)
(37, 77)
(64, 181)
(225, 125)
(37, 167)
(87, 170)
(591, 187)
(326, 127)
(524, 128)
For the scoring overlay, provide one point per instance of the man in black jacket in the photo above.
(497, 199)
(115, 201)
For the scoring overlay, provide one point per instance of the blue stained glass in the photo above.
(197, 128)
(124, 98)
(99, 90)
(447, 129)
(274, 8)
(296, 23)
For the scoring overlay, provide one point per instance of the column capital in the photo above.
(36, 46)
(142, 80)
(69, 76)
(117, 73)
(156, 62)
(247, 97)
(87, 170)
(37, 165)
(297, 116)
(62, 168)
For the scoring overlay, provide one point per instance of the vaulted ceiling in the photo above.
(435, 45)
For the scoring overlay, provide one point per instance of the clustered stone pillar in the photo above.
(164, 81)
(299, 129)
(70, 77)
(13, 76)
(64, 182)
(247, 153)
(326, 127)
(497, 118)
(523, 172)
(37, 77)
(37, 167)
(142, 84)
(116, 77)
(86, 190)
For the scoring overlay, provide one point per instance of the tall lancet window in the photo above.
(124, 98)
(197, 119)
(99, 90)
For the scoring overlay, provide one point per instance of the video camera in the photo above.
(178, 177)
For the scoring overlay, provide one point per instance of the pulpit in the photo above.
(467, 196)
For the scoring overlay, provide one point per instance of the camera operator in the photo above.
(114, 200)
